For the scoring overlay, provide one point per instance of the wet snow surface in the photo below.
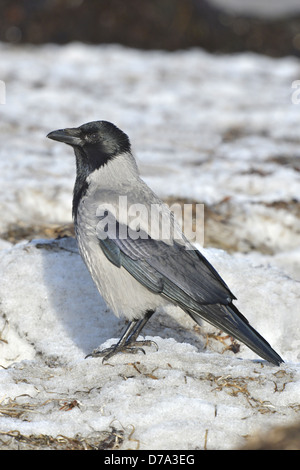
(220, 130)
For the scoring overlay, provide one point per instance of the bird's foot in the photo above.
(132, 347)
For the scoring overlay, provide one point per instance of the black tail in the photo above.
(231, 321)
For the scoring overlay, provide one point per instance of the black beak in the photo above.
(68, 136)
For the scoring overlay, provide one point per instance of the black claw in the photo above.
(146, 342)
(131, 347)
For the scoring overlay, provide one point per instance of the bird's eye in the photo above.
(89, 137)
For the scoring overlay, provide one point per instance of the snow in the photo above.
(222, 130)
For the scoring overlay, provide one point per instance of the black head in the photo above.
(94, 143)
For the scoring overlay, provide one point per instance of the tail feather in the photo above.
(230, 320)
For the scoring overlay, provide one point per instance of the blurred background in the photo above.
(269, 27)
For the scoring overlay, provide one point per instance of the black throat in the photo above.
(88, 159)
(79, 191)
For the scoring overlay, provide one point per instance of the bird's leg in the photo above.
(132, 340)
(128, 342)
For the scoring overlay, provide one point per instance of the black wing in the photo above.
(184, 276)
(187, 279)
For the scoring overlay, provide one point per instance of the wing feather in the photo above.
(184, 276)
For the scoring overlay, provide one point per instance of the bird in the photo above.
(135, 270)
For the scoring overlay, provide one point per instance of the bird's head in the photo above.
(94, 143)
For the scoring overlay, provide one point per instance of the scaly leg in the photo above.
(128, 342)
